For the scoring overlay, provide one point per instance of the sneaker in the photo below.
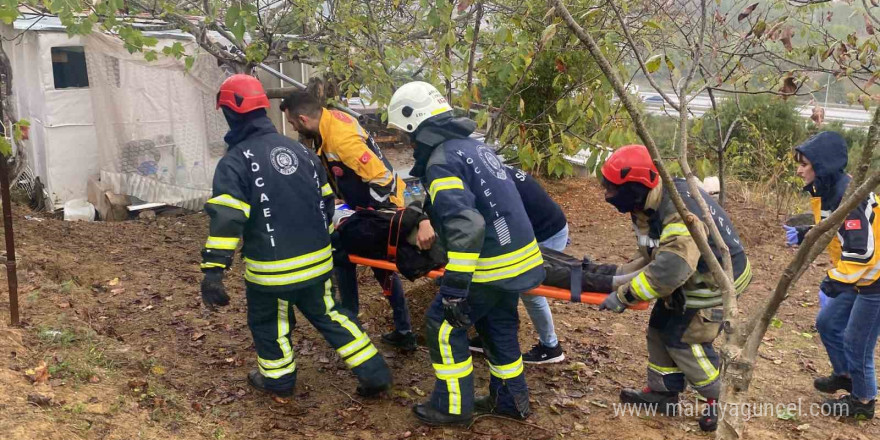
(404, 341)
(475, 344)
(833, 383)
(541, 354)
(709, 419)
(847, 406)
(665, 403)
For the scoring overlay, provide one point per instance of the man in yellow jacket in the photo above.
(364, 179)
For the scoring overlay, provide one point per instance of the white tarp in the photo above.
(159, 134)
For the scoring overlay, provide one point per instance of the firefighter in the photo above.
(493, 258)
(688, 313)
(364, 179)
(272, 191)
(551, 231)
(849, 323)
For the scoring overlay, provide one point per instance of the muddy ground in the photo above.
(113, 311)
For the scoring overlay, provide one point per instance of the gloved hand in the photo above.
(455, 311)
(833, 288)
(213, 292)
(613, 303)
(791, 235)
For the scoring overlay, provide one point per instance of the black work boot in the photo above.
(848, 406)
(833, 383)
(663, 402)
(709, 419)
(486, 405)
(256, 380)
(404, 341)
(430, 416)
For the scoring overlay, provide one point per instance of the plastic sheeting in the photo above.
(159, 134)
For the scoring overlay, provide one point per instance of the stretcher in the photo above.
(546, 291)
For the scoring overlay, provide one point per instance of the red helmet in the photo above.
(242, 94)
(631, 163)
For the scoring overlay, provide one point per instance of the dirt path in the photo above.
(113, 310)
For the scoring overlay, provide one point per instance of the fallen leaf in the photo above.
(135, 384)
(157, 370)
(418, 391)
(94, 379)
(117, 291)
(599, 403)
(578, 427)
(64, 305)
(803, 427)
(39, 374)
(113, 282)
(196, 336)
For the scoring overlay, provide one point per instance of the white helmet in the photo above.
(413, 103)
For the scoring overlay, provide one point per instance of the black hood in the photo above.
(245, 125)
(433, 132)
(827, 152)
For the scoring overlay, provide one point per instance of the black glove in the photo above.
(833, 288)
(455, 310)
(613, 303)
(213, 292)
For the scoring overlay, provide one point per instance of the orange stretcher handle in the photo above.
(546, 291)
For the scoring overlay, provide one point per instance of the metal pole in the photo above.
(10, 242)
(302, 86)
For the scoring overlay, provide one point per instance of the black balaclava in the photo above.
(630, 196)
(243, 125)
(434, 131)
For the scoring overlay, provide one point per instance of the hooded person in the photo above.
(848, 324)
(493, 257)
(687, 316)
(271, 194)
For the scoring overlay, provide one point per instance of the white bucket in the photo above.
(79, 209)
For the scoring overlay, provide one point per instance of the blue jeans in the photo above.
(849, 326)
(537, 306)
(346, 277)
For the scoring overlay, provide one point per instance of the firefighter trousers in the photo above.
(494, 314)
(271, 318)
(672, 361)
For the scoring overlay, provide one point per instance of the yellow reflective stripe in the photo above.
(642, 288)
(452, 385)
(663, 370)
(445, 347)
(508, 258)
(211, 265)
(439, 110)
(290, 263)
(364, 355)
(326, 190)
(454, 371)
(508, 371)
(705, 364)
(848, 278)
(511, 271)
(673, 229)
(225, 243)
(353, 346)
(277, 373)
(289, 278)
(444, 183)
(279, 367)
(331, 228)
(232, 202)
(744, 279)
(462, 261)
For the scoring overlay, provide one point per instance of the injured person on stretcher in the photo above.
(387, 239)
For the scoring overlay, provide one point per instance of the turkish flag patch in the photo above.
(366, 157)
(852, 225)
